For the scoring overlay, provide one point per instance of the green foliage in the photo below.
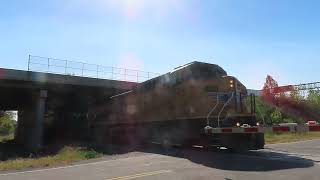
(273, 115)
(313, 98)
(90, 154)
(264, 111)
(6, 137)
(276, 116)
(7, 123)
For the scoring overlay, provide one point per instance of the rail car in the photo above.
(174, 109)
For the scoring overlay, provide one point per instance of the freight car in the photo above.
(174, 108)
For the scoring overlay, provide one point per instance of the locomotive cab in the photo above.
(238, 113)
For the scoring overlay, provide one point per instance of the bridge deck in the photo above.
(22, 78)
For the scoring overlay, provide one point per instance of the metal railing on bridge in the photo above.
(74, 68)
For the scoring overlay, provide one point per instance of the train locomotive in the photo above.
(175, 107)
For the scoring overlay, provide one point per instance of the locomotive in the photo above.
(175, 107)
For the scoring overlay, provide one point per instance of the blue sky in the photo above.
(248, 38)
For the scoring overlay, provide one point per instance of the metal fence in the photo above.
(74, 68)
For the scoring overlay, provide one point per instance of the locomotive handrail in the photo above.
(117, 95)
(209, 114)
(225, 104)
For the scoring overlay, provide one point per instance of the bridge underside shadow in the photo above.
(51, 112)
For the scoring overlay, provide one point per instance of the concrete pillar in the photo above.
(31, 118)
(39, 119)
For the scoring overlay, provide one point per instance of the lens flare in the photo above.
(131, 61)
(134, 9)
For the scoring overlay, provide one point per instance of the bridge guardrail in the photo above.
(74, 68)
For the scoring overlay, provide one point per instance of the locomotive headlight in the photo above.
(231, 83)
(258, 124)
(238, 124)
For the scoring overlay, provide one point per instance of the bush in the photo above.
(91, 154)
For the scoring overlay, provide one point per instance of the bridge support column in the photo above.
(31, 118)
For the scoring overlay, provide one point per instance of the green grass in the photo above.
(273, 138)
(66, 156)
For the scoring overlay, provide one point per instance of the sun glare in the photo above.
(133, 9)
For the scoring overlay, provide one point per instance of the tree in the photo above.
(313, 102)
(268, 85)
(313, 98)
(7, 123)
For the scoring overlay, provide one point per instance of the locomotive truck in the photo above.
(174, 108)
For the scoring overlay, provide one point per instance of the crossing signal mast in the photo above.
(291, 88)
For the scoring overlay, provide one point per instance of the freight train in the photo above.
(174, 108)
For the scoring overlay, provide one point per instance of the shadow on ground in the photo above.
(226, 160)
(9, 150)
(250, 161)
(255, 161)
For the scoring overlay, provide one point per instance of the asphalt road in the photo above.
(291, 161)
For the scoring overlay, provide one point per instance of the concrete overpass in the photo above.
(52, 105)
